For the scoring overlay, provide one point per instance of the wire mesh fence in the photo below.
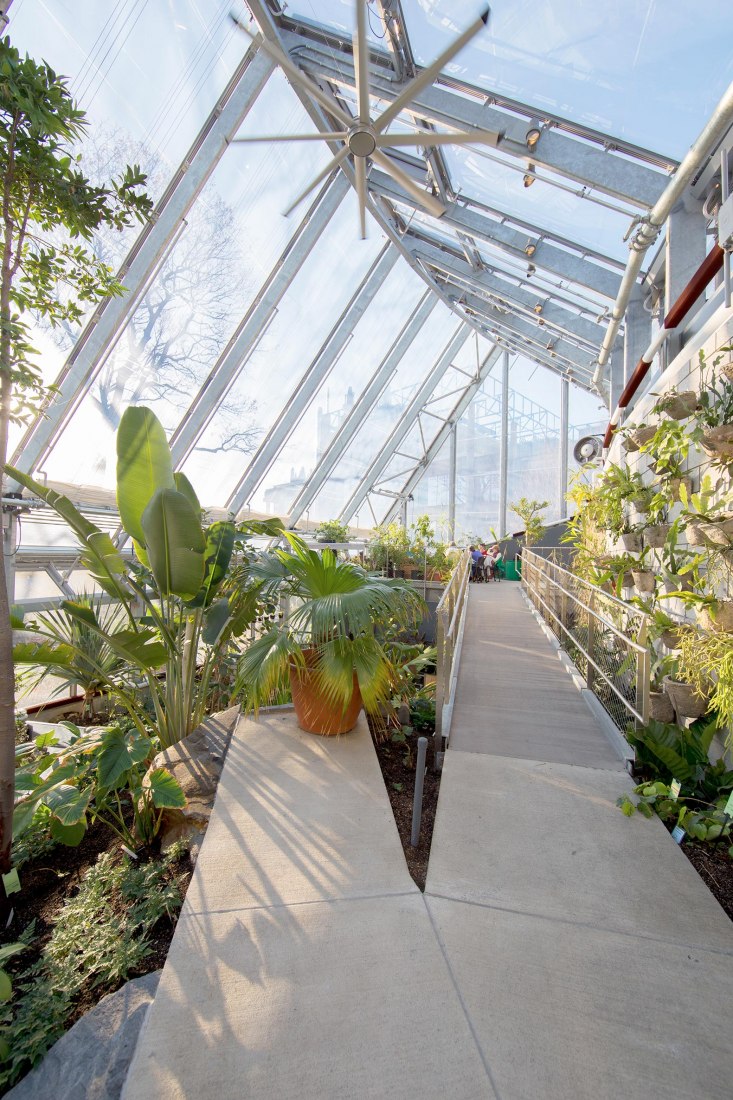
(604, 637)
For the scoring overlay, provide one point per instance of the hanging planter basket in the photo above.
(694, 534)
(677, 584)
(642, 435)
(678, 406)
(642, 503)
(727, 370)
(655, 537)
(717, 619)
(671, 638)
(660, 707)
(631, 542)
(685, 700)
(717, 443)
(644, 581)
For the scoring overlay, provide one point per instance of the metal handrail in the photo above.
(450, 614)
(561, 619)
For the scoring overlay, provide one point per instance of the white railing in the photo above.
(450, 616)
(604, 637)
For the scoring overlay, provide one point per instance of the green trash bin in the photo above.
(511, 572)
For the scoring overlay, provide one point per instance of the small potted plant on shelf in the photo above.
(332, 531)
(681, 568)
(644, 579)
(634, 436)
(657, 529)
(690, 700)
(702, 513)
(327, 647)
(714, 416)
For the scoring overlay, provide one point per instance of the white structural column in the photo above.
(363, 407)
(504, 445)
(445, 432)
(256, 320)
(684, 252)
(637, 331)
(564, 442)
(146, 255)
(408, 418)
(306, 389)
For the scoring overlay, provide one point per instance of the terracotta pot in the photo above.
(655, 537)
(314, 713)
(694, 534)
(686, 702)
(718, 443)
(631, 542)
(717, 620)
(643, 581)
(660, 707)
(678, 406)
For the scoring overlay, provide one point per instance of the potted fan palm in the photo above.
(328, 645)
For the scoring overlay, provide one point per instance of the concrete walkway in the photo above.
(560, 950)
(591, 960)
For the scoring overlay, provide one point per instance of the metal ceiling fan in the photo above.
(365, 138)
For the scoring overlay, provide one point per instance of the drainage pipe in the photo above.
(707, 271)
(649, 226)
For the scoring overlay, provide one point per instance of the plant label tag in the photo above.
(728, 808)
(11, 882)
(674, 789)
(678, 833)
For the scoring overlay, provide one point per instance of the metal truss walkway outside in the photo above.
(559, 951)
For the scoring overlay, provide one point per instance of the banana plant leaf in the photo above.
(218, 554)
(184, 486)
(144, 466)
(175, 543)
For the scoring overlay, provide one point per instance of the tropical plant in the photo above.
(530, 512)
(669, 449)
(389, 547)
(335, 609)
(332, 531)
(705, 659)
(88, 661)
(180, 577)
(48, 211)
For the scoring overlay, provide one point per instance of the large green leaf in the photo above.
(216, 618)
(183, 485)
(144, 465)
(70, 835)
(165, 789)
(175, 543)
(114, 759)
(218, 554)
(68, 803)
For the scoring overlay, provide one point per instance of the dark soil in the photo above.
(397, 761)
(715, 868)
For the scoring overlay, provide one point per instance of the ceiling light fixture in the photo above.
(533, 135)
(529, 177)
(538, 308)
(530, 247)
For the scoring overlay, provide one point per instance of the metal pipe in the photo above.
(422, 748)
(706, 272)
(649, 227)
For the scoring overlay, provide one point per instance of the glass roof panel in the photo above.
(371, 437)
(155, 70)
(648, 73)
(499, 183)
(234, 234)
(371, 342)
(304, 318)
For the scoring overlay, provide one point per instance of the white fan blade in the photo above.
(341, 155)
(361, 61)
(430, 137)
(427, 201)
(296, 75)
(360, 170)
(427, 76)
(339, 135)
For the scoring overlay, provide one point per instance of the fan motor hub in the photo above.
(361, 139)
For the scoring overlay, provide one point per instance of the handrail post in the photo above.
(590, 671)
(642, 677)
(440, 684)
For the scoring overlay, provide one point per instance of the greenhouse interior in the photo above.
(366, 434)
